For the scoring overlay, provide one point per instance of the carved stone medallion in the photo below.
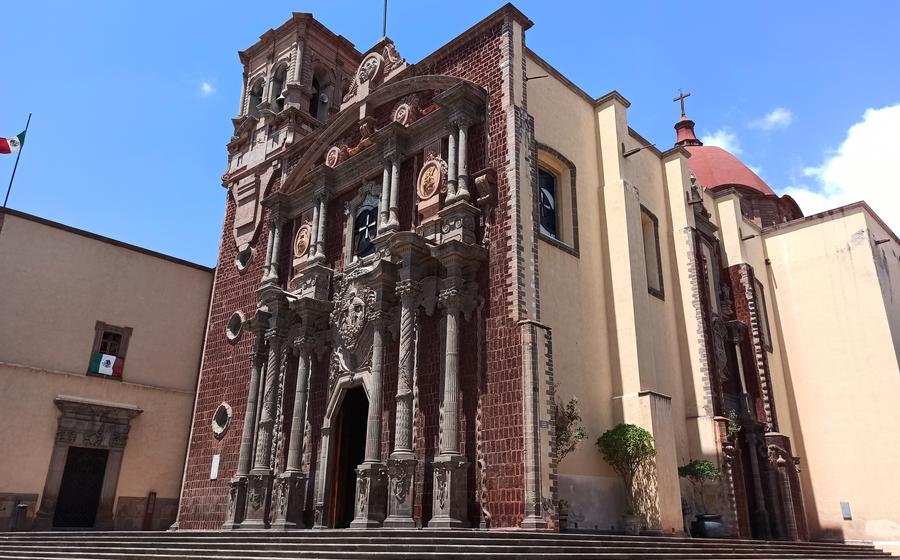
(431, 178)
(350, 313)
(335, 155)
(370, 67)
(301, 242)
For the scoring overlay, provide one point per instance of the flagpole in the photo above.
(16, 165)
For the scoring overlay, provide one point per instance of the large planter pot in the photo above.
(632, 524)
(708, 526)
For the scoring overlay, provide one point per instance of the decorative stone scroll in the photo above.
(406, 111)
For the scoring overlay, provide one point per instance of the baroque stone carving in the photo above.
(301, 241)
(391, 58)
(406, 111)
(350, 313)
(432, 177)
(362, 481)
(400, 477)
(720, 333)
(93, 439)
(66, 436)
(335, 155)
(440, 472)
(118, 439)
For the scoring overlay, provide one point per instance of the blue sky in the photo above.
(132, 101)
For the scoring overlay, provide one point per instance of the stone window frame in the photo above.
(556, 164)
(661, 291)
(99, 329)
(762, 313)
(351, 210)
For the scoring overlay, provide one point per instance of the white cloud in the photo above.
(206, 89)
(862, 168)
(723, 138)
(779, 117)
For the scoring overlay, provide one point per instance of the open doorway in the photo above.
(79, 492)
(349, 451)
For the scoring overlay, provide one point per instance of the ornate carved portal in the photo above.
(85, 423)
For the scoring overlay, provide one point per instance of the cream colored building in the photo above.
(650, 332)
(84, 445)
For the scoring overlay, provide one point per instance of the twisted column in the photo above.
(270, 401)
(301, 392)
(408, 290)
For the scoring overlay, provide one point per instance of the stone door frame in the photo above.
(93, 424)
(326, 445)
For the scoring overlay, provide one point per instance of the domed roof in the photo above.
(714, 167)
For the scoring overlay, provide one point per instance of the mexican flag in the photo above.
(104, 364)
(12, 145)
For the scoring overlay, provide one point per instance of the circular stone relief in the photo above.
(429, 179)
(221, 420)
(235, 326)
(244, 256)
(369, 67)
(333, 156)
(301, 242)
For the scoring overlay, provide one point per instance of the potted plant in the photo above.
(569, 433)
(699, 473)
(626, 448)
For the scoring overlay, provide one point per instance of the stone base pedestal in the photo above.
(458, 222)
(401, 481)
(290, 498)
(371, 496)
(259, 500)
(449, 506)
(237, 502)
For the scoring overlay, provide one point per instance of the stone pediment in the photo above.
(379, 65)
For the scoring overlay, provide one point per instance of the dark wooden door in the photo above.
(79, 492)
(350, 451)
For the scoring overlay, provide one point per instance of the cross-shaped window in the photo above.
(364, 229)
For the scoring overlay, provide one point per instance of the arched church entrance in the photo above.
(349, 452)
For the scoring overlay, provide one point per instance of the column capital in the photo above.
(408, 288)
(452, 298)
(304, 343)
(275, 334)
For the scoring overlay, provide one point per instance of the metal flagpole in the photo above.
(16, 165)
(384, 21)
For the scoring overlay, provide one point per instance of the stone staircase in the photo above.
(401, 544)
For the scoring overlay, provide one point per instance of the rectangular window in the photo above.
(762, 314)
(652, 257)
(108, 352)
(548, 203)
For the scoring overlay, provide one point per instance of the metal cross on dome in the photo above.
(681, 97)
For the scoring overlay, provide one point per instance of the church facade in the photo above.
(419, 260)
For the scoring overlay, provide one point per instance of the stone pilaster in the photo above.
(260, 478)
(237, 494)
(384, 212)
(402, 463)
(452, 170)
(462, 186)
(273, 249)
(449, 494)
(371, 475)
(320, 238)
(292, 482)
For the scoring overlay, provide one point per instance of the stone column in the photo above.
(393, 215)
(237, 496)
(787, 498)
(449, 494)
(259, 496)
(760, 515)
(292, 483)
(274, 246)
(451, 165)
(314, 234)
(402, 463)
(384, 211)
(462, 189)
(320, 238)
(371, 475)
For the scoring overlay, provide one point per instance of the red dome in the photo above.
(714, 167)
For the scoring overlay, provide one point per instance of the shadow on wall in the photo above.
(595, 502)
(646, 495)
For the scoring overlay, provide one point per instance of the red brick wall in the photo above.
(226, 370)
(224, 377)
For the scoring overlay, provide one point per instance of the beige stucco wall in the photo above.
(841, 368)
(608, 344)
(57, 284)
